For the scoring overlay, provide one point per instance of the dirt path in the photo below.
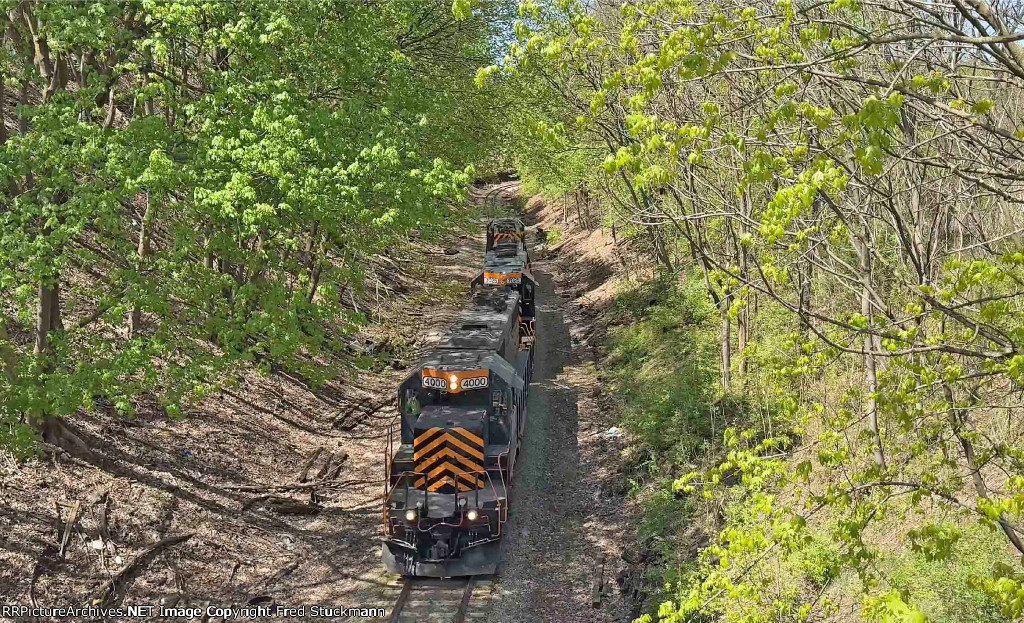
(554, 542)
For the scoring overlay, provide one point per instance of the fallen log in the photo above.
(113, 588)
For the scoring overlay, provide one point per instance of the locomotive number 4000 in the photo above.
(476, 382)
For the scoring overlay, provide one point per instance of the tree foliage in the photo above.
(191, 187)
(857, 166)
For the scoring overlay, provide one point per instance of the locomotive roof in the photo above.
(507, 249)
(505, 253)
(473, 342)
(507, 223)
(504, 263)
(484, 321)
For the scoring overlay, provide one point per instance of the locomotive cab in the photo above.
(505, 230)
(506, 238)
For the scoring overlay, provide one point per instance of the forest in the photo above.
(827, 195)
(818, 345)
(192, 187)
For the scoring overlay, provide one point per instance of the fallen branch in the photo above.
(337, 470)
(339, 422)
(344, 415)
(72, 518)
(112, 589)
(295, 486)
(322, 474)
(288, 506)
(309, 464)
(282, 573)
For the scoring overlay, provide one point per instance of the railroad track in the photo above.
(455, 600)
(498, 195)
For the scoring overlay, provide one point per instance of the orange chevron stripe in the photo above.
(426, 450)
(440, 469)
(426, 435)
(441, 483)
(476, 452)
(468, 466)
(443, 479)
(469, 436)
(465, 467)
(425, 465)
(437, 485)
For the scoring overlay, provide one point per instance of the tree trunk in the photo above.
(23, 102)
(918, 210)
(311, 243)
(56, 318)
(660, 251)
(44, 315)
(957, 417)
(806, 269)
(726, 338)
(135, 321)
(8, 357)
(742, 320)
(3, 111)
(108, 122)
(870, 372)
(208, 259)
(315, 281)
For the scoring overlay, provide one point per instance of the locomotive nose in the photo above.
(449, 454)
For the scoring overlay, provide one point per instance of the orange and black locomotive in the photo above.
(452, 453)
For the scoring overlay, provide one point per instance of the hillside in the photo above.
(747, 343)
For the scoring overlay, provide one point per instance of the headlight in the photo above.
(410, 515)
(472, 515)
(453, 382)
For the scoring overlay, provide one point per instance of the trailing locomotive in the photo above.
(513, 273)
(462, 413)
(506, 238)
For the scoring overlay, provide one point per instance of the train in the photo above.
(451, 453)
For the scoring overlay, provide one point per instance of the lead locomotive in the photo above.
(452, 453)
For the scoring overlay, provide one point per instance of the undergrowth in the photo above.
(661, 365)
(662, 362)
